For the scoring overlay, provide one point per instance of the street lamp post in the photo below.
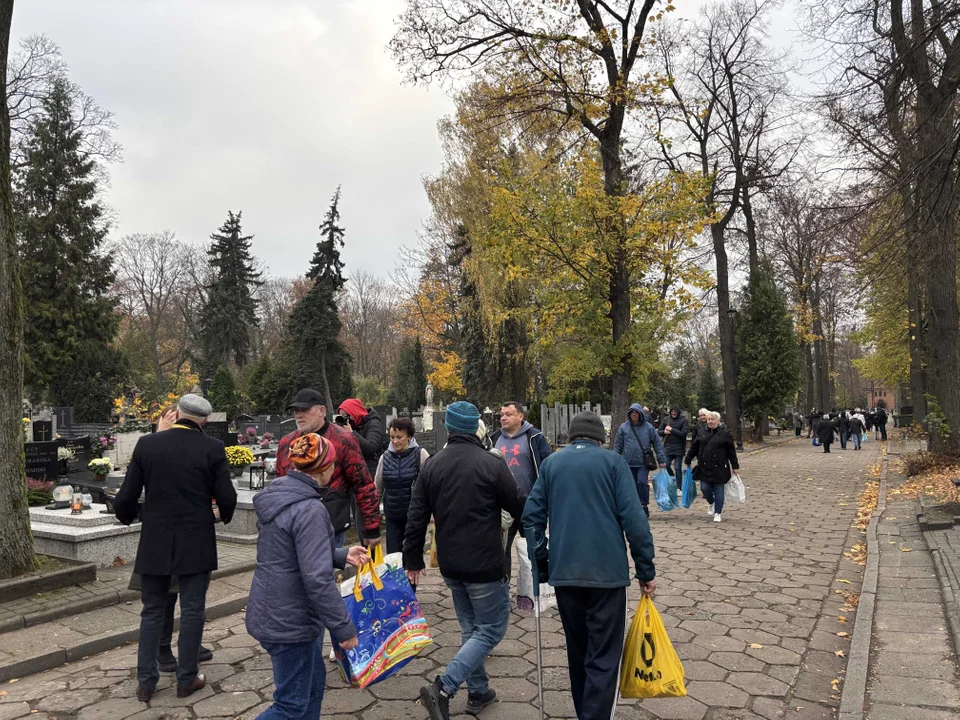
(733, 313)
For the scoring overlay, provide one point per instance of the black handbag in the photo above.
(648, 455)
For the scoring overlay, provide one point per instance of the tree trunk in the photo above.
(917, 333)
(753, 252)
(811, 392)
(728, 352)
(16, 541)
(619, 284)
(332, 403)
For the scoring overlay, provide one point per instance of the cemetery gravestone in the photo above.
(64, 417)
(81, 449)
(41, 461)
(43, 431)
(221, 431)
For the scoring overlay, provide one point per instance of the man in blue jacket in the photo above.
(586, 495)
(634, 438)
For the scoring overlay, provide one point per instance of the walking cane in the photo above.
(531, 537)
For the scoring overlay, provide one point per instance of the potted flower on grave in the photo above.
(239, 458)
(100, 467)
(100, 445)
(64, 456)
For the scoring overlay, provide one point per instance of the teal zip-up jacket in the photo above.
(587, 496)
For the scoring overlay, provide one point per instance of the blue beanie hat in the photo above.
(462, 417)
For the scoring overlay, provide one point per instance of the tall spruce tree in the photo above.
(768, 350)
(61, 230)
(410, 381)
(230, 309)
(709, 394)
(314, 326)
(223, 393)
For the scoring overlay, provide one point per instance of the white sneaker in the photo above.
(332, 656)
(716, 518)
(710, 509)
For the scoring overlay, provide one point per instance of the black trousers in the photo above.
(396, 528)
(156, 595)
(593, 622)
(508, 551)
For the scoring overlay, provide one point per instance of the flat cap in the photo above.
(195, 405)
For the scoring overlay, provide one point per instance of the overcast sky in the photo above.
(260, 106)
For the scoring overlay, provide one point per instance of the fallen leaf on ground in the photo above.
(839, 653)
(2, 693)
(842, 619)
(906, 549)
(756, 646)
(843, 581)
(843, 634)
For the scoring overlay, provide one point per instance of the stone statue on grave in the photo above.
(428, 409)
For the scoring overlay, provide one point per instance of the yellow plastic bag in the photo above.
(650, 667)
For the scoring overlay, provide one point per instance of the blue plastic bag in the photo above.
(665, 491)
(816, 441)
(863, 437)
(689, 488)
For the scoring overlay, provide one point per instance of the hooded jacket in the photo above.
(293, 596)
(676, 442)
(626, 445)
(368, 427)
(540, 449)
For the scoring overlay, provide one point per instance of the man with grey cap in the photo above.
(587, 496)
(182, 471)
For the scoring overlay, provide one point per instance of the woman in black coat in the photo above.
(716, 455)
(827, 432)
(843, 427)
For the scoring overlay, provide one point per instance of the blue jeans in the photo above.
(856, 440)
(483, 610)
(844, 435)
(300, 677)
(641, 476)
(676, 461)
(713, 494)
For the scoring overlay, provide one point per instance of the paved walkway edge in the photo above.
(106, 641)
(948, 581)
(854, 691)
(102, 601)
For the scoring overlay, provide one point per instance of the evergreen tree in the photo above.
(259, 386)
(410, 381)
(230, 310)
(223, 393)
(91, 381)
(768, 351)
(66, 271)
(709, 395)
(314, 326)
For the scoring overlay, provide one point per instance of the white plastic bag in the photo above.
(548, 596)
(737, 490)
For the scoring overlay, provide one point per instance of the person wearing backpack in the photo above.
(397, 471)
(639, 444)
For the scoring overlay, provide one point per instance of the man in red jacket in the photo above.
(349, 476)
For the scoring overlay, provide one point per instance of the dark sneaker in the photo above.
(435, 702)
(524, 603)
(476, 703)
(166, 660)
(205, 654)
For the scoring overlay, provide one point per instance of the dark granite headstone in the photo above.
(221, 431)
(81, 449)
(43, 431)
(41, 460)
(64, 419)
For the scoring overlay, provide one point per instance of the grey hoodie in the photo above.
(293, 596)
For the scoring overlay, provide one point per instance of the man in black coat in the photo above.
(182, 471)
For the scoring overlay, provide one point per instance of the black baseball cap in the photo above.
(307, 398)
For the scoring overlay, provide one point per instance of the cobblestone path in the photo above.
(753, 606)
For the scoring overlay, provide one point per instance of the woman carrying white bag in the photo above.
(716, 456)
